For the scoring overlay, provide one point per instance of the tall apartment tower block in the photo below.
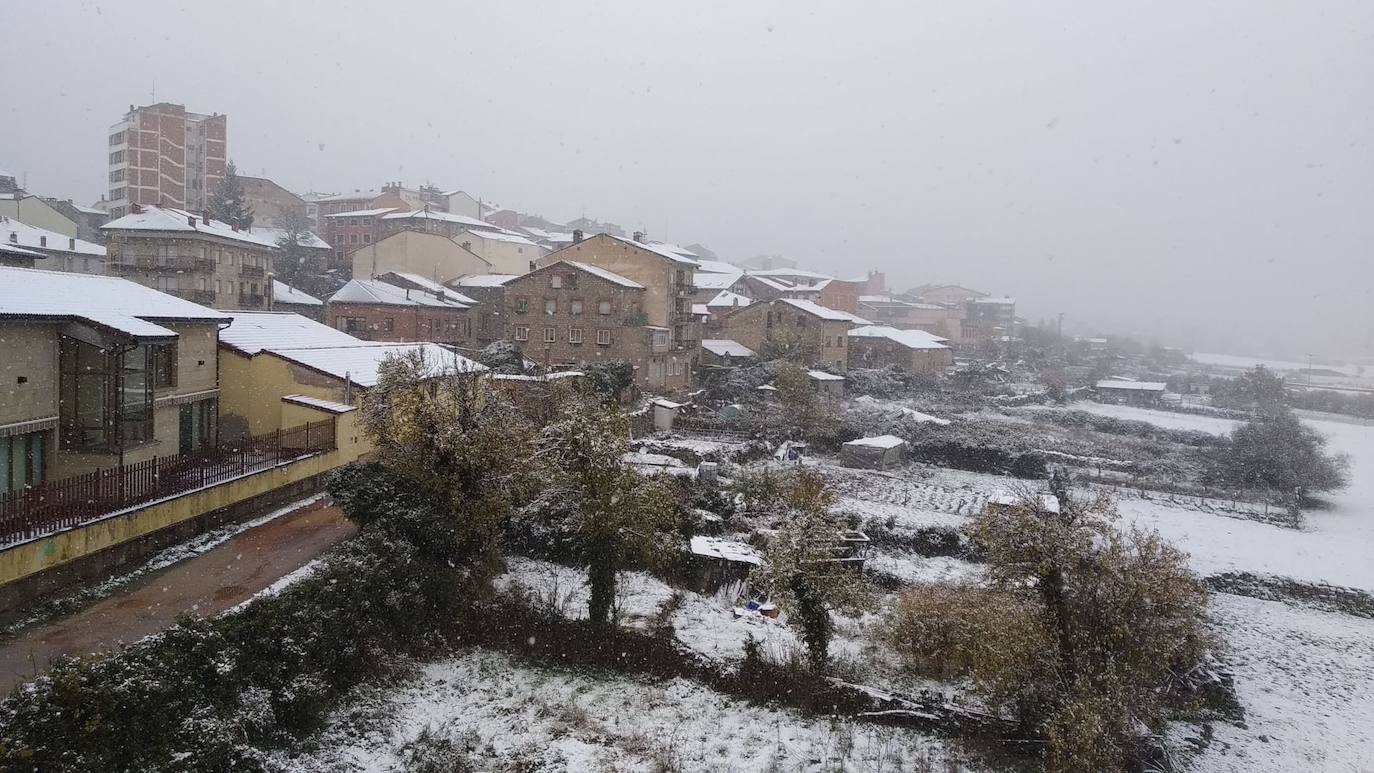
(161, 155)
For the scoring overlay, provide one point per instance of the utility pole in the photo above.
(1060, 331)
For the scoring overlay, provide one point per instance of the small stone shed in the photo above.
(722, 563)
(874, 453)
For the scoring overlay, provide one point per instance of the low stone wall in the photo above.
(93, 550)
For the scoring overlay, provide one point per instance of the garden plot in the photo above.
(1306, 681)
(510, 716)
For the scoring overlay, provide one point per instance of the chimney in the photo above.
(577, 235)
(191, 220)
(42, 241)
(71, 244)
(205, 215)
(14, 237)
(235, 225)
(135, 209)
(638, 236)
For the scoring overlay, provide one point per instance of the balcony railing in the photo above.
(67, 502)
(251, 301)
(203, 297)
(130, 263)
(252, 272)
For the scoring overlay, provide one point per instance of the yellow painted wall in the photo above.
(30, 351)
(251, 389)
(504, 257)
(38, 555)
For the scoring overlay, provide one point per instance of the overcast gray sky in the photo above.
(1199, 171)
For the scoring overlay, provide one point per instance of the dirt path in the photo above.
(204, 585)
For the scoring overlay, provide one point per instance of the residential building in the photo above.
(767, 262)
(725, 353)
(910, 315)
(281, 370)
(270, 202)
(379, 311)
(288, 299)
(352, 230)
(915, 351)
(828, 291)
(98, 371)
(813, 333)
(945, 294)
(489, 315)
(192, 256)
(88, 219)
(431, 255)
(431, 221)
(668, 279)
(508, 253)
(464, 203)
(589, 226)
(18, 257)
(987, 318)
(162, 155)
(567, 314)
(317, 251)
(37, 211)
(57, 252)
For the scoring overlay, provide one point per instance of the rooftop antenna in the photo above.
(152, 93)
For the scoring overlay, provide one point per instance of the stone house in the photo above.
(815, 333)
(568, 314)
(915, 351)
(379, 311)
(667, 278)
(428, 254)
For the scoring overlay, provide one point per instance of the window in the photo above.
(574, 335)
(556, 281)
(550, 335)
(117, 157)
(522, 334)
(117, 176)
(164, 366)
(197, 425)
(388, 325)
(550, 306)
(576, 307)
(522, 305)
(117, 138)
(352, 238)
(22, 460)
(839, 341)
(603, 308)
(351, 324)
(603, 337)
(367, 238)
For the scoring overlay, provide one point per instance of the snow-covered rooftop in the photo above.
(502, 236)
(483, 280)
(103, 301)
(710, 280)
(789, 273)
(999, 301)
(657, 249)
(17, 234)
(255, 331)
(307, 238)
(881, 441)
(315, 402)
(676, 249)
(370, 194)
(609, 276)
(360, 361)
(911, 339)
(432, 286)
(170, 220)
(363, 212)
(729, 299)
(821, 375)
(378, 292)
(717, 267)
(471, 223)
(824, 312)
(285, 293)
(1142, 386)
(724, 347)
(729, 550)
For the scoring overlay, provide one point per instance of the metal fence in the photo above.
(68, 502)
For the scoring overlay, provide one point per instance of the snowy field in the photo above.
(512, 716)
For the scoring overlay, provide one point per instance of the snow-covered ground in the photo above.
(513, 716)
(1166, 419)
